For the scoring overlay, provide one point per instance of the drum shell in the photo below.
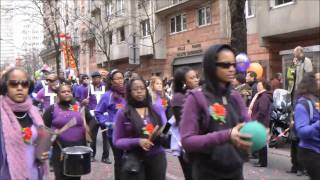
(76, 165)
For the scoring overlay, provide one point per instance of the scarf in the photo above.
(14, 146)
(253, 101)
(118, 92)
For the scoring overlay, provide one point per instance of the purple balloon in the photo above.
(242, 62)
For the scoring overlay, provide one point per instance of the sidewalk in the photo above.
(282, 151)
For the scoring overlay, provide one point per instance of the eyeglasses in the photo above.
(16, 83)
(117, 79)
(225, 65)
(51, 80)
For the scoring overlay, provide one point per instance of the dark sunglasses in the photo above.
(16, 83)
(225, 65)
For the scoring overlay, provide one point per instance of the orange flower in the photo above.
(75, 107)
(27, 134)
(119, 106)
(218, 109)
(164, 102)
(149, 128)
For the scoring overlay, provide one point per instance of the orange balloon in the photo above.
(257, 68)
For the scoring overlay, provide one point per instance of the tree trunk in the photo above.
(238, 25)
(58, 60)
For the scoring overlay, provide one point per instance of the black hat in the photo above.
(95, 74)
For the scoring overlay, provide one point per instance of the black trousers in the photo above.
(105, 144)
(186, 168)
(311, 161)
(263, 156)
(153, 167)
(201, 171)
(296, 164)
(117, 155)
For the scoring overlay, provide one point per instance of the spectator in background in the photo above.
(276, 82)
(307, 123)
(251, 80)
(260, 109)
(240, 85)
(301, 65)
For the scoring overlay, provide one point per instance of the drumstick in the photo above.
(70, 124)
(106, 129)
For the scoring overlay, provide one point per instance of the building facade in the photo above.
(154, 37)
(7, 47)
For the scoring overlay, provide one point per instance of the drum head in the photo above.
(77, 150)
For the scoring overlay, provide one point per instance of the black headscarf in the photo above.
(210, 70)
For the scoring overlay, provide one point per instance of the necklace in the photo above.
(21, 117)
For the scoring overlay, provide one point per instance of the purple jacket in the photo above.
(308, 130)
(262, 108)
(190, 130)
(93, 97)
(124, 136)
(44, 97)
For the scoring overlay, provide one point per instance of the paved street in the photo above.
(279, 162)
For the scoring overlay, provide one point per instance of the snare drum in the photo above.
(76, 160)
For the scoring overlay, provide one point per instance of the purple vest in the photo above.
(61, 117)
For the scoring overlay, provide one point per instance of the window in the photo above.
(121, 34)
(119, 6)
(110, 37)
(178, 23)
(280, 3)
(249, 9)
(108, 6)
(204, 16)
(145, 28)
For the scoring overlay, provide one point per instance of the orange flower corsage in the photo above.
(74, 107)
(217, 112)
(164, 102)
(27, 135)
(148, 129)
(119, 106)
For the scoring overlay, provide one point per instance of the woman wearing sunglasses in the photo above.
(47, 95)
(211, 120)
(58, 115)
(18, 129)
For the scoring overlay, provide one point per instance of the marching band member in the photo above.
(47, 95)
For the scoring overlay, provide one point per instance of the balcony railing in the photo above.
(164, 4)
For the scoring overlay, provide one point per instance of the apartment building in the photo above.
(122, 34)
(276, 27)
(273, 28)
(167, 34)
